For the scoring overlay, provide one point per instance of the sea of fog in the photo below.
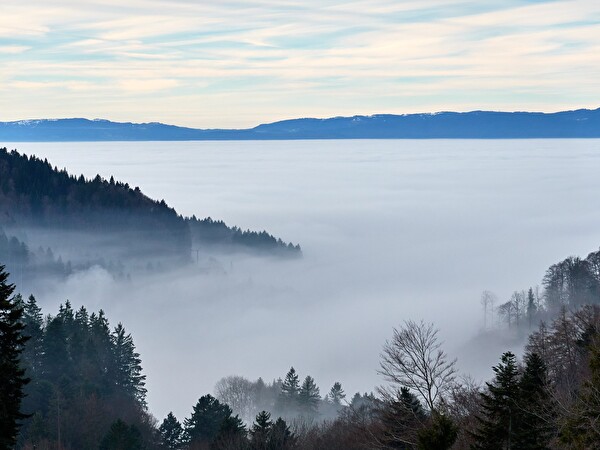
(391, 230)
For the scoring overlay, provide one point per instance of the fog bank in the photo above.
(390, 231)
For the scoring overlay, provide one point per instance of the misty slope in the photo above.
(582, 123)
(108, 220)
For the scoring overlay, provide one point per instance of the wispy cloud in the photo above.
(238, 63)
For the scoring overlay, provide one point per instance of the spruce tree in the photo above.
(309, 397)
(497, 425)
(439, 434)
(533, 430)
(122, 437)
(205, 422)
(127, 366)
(34, 324)
(401, 418)
(260, 431)
(336, 394)
(288, 397)
(281, 438)
(12, 376)
(171, 432)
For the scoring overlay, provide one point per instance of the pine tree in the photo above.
(309, 397)
(496, 430)
(171, 432)
(12, 376)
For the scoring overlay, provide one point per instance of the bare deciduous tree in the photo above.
(237, 392)
(414, 359)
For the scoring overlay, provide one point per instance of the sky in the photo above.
(236, 64)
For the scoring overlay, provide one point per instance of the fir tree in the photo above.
(12, 376)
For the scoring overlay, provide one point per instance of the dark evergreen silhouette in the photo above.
(439, 434)
(12, 375)
(171, 432)
(336, 394)
(122, 437)
(309, 398)
(401, 417)
(498, 422)
(122, 225)
(533, 430)
(208, 416)
(281, 436)
(261, 431)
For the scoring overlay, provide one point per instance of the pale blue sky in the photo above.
(241, 63)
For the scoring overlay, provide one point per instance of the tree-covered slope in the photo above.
(100, 218)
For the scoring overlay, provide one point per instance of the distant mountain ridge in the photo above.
(581, 123)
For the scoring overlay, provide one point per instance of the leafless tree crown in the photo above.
(413, 358)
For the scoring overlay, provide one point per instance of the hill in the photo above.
(105, 221)
(582, 123)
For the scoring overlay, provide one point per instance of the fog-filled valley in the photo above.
(390, 231)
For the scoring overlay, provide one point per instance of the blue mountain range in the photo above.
(582, 123)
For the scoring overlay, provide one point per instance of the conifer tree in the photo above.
(122, 437)
(260, 431)
(497, 425)
(205, 422)
(401, 418)
(171, 432)
(232, 435)
(281, 438)
(309, 397)
(12, 376)
(533, 430)
(288, 397)
(127, 365)
(34, 323)
(336, 394)
(291, 385)
(439, 434)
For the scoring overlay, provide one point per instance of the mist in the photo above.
(390, 231)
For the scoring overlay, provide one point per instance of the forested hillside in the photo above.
(107, 221)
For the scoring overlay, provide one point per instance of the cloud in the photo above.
(281, 54)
